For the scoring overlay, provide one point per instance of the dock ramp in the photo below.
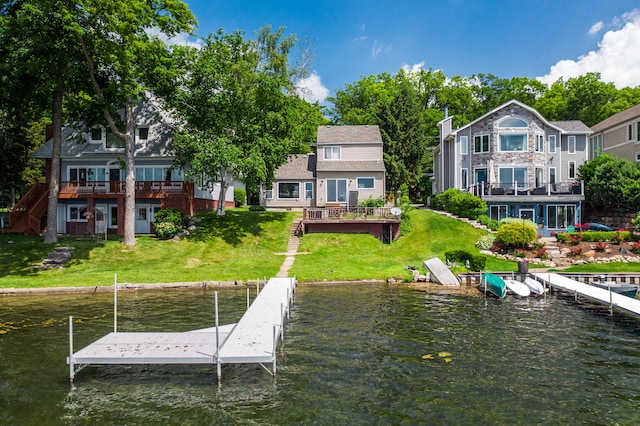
(440, 273)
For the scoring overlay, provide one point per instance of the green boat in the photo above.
(493, 284)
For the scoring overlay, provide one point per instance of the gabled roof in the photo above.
(572, 126)
(506, 104)
(298, 166)
(146, 114)
(347, 166)
(621, 117)
(349, 134)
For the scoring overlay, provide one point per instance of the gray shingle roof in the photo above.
(572, 126)
(326, 165)
(147, 114)
(621, 117)
(348, 134)
(298, 166)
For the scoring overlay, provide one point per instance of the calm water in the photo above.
(352, 355)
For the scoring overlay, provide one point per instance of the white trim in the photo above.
(575, 170)
(464, 142)
(332, 147)
(287, 198)
(552, 146)
(365, 177)
(569, 144)
(481, 136)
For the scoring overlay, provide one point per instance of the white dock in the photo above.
(253, 339)
(600, 295)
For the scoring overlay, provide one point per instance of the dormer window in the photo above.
(113, 141)
(513, 122)
(96, 135)
(143, 133)
(332, 153)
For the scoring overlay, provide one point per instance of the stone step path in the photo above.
(292, 248)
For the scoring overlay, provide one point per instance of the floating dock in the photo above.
(252, 340)
(613, 300)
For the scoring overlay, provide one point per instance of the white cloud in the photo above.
(616, 58)
(311, 88)
(361, 38)
(180, 39)
(595, 28)
(410, 69)
(379, 48)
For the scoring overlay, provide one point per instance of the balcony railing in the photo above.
(117, 187)
(348, 213)
(570, 188)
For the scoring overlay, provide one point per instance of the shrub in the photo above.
(405, 224)
(541, 252)
(520, 253)
(483, 219)
(635, 248)
(574, 239)
(575, 251)
(515, 235)
(239, 196)
(168, 222)
(476, 262)
(372, 202)
(525, 222)
(600, 246)
(494, 225)
(460, 203)
(618, 238)
(485, 242)
(636, 222)
(257, 208)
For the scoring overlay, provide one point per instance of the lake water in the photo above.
(351, 355)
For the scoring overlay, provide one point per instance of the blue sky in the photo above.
(543, 39)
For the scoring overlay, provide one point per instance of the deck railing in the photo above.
(117, 187)
(348, 213)
(569, 188)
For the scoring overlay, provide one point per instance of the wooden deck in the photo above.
(600, 295)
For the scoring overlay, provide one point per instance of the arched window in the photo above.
(513, 122)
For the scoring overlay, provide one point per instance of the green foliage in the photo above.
(257, 208)
(168, 222)
(463, 204)
(372, 202)
(476, 262)
(239, 196)
(573, 238)
(486, 242)
(515, 235)
(611, 182)
(521, 222)
(636, 222)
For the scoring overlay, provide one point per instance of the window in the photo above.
(539, 143)
(78, 213)
(96, 134)
(481, 143)
(552, 144)
(332, 153)
(513, 142)
(539, 177)
(288, 190)
(572, 169)
(552, 175)
(464, 145)
(268, 194)
(572, 144)
(513, 122)
(464, 178)
(638, 131)
(509, 177)
(498, 212)
(143, 133)
(595, 146)
(560, 216)
(480, 175)
(630, 132)
(114, 142)
(87, 174)
(365, 183)
(637, 157)
(336, 190)
(113, 217)
(308, 190)
(158, 173)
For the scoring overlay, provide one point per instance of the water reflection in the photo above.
(352, 355)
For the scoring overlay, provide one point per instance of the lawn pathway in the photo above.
(292, 248)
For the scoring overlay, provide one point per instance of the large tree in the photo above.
(240, 116)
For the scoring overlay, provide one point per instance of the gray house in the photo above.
(347, 168)
(618, 135)
(521, 164)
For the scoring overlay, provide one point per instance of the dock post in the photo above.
(218, 365)
(248, 297)
(71, 364)
(275, 344)
(115, 303)
(610, 298)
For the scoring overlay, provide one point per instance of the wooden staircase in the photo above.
(26, 216)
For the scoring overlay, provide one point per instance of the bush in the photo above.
(405, 224)
(257, 208)
(372, 202)
(168, 222)
(476, 262)
(636, 222)
(515, 235)
(239, 196)
(483, 219)
(635, 248)
(460, 203)
(525, 222)
(615, 237)
(486, 242)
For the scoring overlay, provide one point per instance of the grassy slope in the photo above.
(243, 246)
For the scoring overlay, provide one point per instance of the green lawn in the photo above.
(245, 245)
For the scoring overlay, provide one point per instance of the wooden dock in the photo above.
(596, 294)
(253, 339)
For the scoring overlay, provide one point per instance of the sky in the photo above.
(543, 39)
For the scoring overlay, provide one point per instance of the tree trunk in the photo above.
(130, 179)
(224, 186)
(51, 234)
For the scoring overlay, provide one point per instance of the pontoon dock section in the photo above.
(600, 295)
(253, 339)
